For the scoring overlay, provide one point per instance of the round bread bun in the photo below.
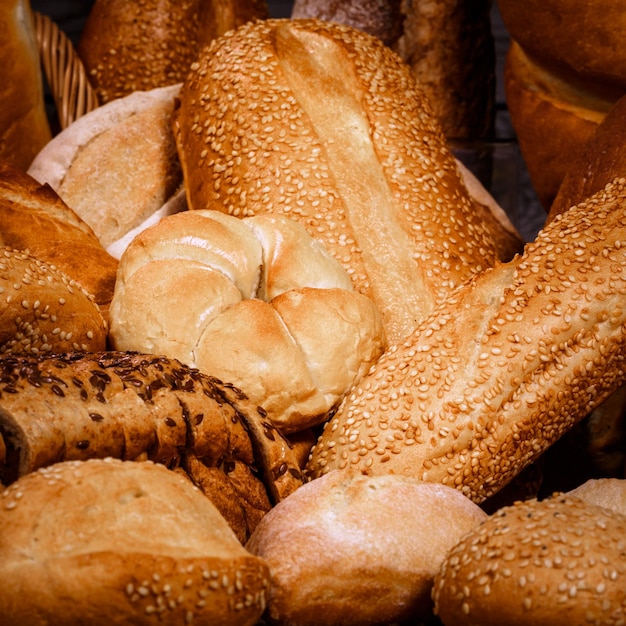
(609, 493)
(44, 310)
(117, 166)
(558, 561)
(552, 118)
(357, 550)
(105, 542)
(256, 302)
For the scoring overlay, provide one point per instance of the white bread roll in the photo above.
(105, 541)
(505, 366)
(357, 550)
(559, 561)
(292, 334)
(117, 166)
(609, 493)
(24, 128)
(323, 123)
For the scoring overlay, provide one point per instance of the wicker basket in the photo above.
(64, 71)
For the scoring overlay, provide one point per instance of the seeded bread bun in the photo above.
(502, 369)
(134, 407)
(345, 142)
(558, 561)
(33, 217)
(139, 46)
(44, 310)
(117, 166)
(291, 331)
(106, 541)
(24, 128)
(357, 550)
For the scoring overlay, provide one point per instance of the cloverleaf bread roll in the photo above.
(503, 368)
(43, 310)
(558, 561)
(106, 541)
(323, 123)
(357, 550)
(256, 302)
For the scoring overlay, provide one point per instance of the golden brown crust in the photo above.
(33, 217)
(557, 561)
(553, 119)
(44, 310)
(504, 367)
(332, 129)
(149, 544)
(24, 127)
(359, 550)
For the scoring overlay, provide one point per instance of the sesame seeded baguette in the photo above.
(503, 368)
(558, 561)
(135, 407)
(323, 123)
(104, 542)
(43, 310)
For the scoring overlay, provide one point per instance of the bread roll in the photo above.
(505, 366)
(552, 118)
(291, 331)
(558, 561)
(129, 47)
(117, 166)
(24, 127)
(33, 217)
(106, 541)
(323, 123)
(44, 310)
(356, 550)
(609, 493)
(133, 407)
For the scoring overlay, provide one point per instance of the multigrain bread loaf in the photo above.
(505, 366)
(132, 406)
(117, 166)
(357, 550)
(256, 302)
(24, 128)
(44, 310)
(139, 46)
(33, 217)
(105, 541)
(557, 561)
(322, 122)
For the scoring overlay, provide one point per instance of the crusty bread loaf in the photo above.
(33, 217)
(44, 310)
(139, 46)
(291, 331)
(552, 118)
(117, 166)
(24, 127)
(558, 561)
(133, 406)
(356, 550)
(105, 541)
(504, 366)
(322, 122)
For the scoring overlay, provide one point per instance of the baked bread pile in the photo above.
(565, 69)
(324, 213)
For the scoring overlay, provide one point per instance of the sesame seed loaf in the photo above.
(43, 310)
(256, 302)
(105, 542)
(503, 368)
(323, 123)
(558, 561)
(134, 407)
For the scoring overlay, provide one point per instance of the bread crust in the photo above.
(359, 158)
(502, 369)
